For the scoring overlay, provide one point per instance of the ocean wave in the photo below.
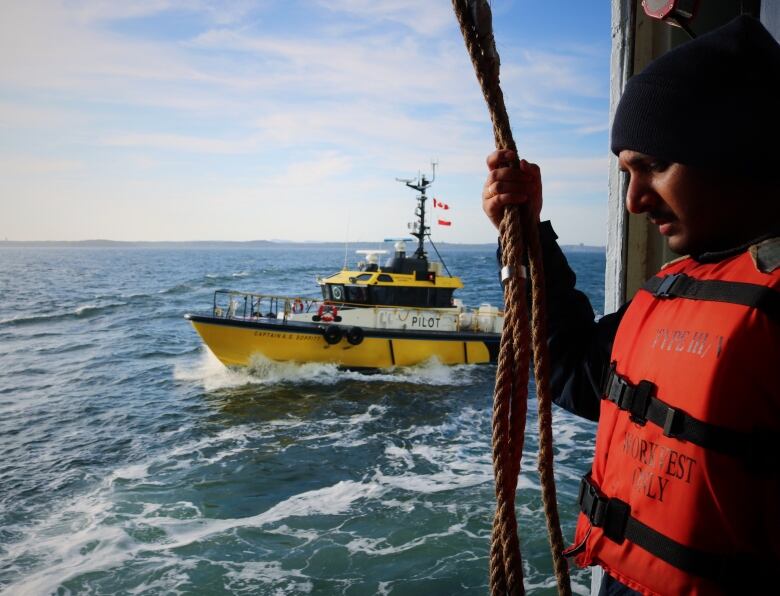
(381, 547)
(210, 449)
(84, 311)
(247, 576)
(115, 525)
(64, 348)
(85, 537)
(214, 278)
(447, 479)
(181, 288)
(129, 298)
(430, 372)
(254, 488)
(213, 375)
(209, 372)
(347, 433)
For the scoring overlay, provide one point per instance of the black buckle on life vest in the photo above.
(673, 422)
(640, 401)
(633, 398)
(616, 388)
(611, 515)
(591, 503)
(667, 283)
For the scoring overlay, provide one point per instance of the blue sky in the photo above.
(204, 120)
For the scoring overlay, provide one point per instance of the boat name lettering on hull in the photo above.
(293, 336)
(386, 318)
(391, 320)
(425, 322)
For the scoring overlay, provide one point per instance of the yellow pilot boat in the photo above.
(400, 313)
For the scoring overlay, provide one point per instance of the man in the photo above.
(684, 493)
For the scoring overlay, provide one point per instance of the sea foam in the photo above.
(209, 372)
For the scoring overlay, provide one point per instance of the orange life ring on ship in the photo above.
(297, 306)
(327, 312)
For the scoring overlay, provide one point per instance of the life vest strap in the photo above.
(735, 572)
(638, 400)
(680, 285)
(614, 517)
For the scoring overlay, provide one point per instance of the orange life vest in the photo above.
(684, 493)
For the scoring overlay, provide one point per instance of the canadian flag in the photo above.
(439, 204)
(444, 222)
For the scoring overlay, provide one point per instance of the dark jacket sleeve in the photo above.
(580, 347)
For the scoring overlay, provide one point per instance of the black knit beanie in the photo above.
(713, 102)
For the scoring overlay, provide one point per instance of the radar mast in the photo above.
(418, 229)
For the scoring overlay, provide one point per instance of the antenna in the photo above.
(419, 230)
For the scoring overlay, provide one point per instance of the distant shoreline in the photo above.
(243, 244)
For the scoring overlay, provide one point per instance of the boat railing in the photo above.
(233, 304)
(229, 304)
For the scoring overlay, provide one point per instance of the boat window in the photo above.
(442, 298)
(384, 277)
(402, 296)
(364, 277)
(357, 294)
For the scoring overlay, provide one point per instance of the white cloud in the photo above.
(34, 165)
(337, 115)
(47, 47)
(425, 18)
(221, 12)
(25, 116)
(186, 143)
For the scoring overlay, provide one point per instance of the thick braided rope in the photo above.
(502, 395)
(514, 394)
(506, 562)
(515, 295)
(501, 454)
(513, 353)
(544, 403)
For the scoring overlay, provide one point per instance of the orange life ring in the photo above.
(327, 312)
(297, 306)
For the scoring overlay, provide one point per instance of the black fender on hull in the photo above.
(332, 334)
(355, 336)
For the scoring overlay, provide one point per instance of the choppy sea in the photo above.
(133, 462)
